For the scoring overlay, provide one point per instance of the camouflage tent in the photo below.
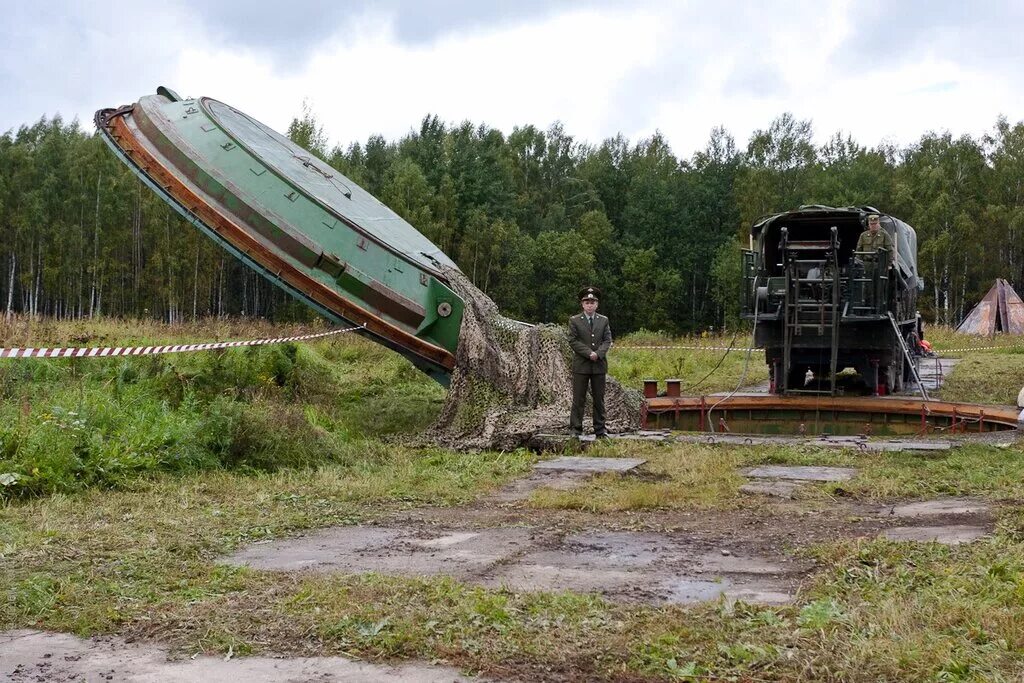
(1001, 310)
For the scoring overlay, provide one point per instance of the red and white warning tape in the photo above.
(694, 348)
(110, 351)
(744, 350)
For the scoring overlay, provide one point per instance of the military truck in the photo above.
(821, 308)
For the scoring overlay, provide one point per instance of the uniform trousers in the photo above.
(580, 382)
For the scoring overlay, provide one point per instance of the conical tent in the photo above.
(1001, 310)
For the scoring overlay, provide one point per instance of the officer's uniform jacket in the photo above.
(585, 339)
(874, 242)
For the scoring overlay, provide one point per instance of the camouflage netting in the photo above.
(512, 381)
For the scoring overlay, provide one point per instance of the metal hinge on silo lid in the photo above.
(330, 264)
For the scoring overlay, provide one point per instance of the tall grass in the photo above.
(704, 370)
(991, 369)
(66, 424)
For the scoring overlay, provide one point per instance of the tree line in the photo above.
(530, 217)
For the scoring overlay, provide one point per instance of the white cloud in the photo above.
(561, 68)
(600, 68)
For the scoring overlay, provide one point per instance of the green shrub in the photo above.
(268, 436)
(74, 423)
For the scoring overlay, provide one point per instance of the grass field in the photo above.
(135, 475)
(989, 375)
(702, 371)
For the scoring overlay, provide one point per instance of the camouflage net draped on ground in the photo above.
(512, 381)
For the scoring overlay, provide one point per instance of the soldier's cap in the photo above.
(872, 217)
(590, 294)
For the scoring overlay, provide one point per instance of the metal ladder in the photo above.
(818, 311)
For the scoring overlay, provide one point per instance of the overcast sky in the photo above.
(879, 70)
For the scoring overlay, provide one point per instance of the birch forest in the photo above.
(530, 216)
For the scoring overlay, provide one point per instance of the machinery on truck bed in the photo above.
(819, 306)
(295, 220)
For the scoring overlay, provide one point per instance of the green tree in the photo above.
(563, 263)
(779, 168)
(939, 191)
(649, 292)
(727, 283)
(407, 193)
(308, 133)
(1003, 216)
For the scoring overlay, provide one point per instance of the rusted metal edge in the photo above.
(121, 135)
(899, 406)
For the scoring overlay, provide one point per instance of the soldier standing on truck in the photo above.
(590, 336)
(874, 238)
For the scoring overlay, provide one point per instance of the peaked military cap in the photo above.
(590, 293)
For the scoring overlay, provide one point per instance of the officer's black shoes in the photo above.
(603, 435)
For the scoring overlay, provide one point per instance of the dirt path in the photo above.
(31, 656)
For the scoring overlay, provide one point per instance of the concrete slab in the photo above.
(634, 566)
(628, 549)
(388, 551)
(687, 590)
(445, 541)
(755, 595)
(860, 443)
(521, 489)
(800, 472)
(864, 444)
(718, 563)
(779, 489)
(562, 474)
(645, 435)
(690, 590)
(954, 534)
(933, 372)
(897, 446)
(622, 567)
(583, 464)
(58, 658)
(944, 506)
(328, 548)
(527, 576)
(737, 439)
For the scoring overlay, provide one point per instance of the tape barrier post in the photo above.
(114, 351)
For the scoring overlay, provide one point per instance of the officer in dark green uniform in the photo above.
(590, 336)
(874, 238)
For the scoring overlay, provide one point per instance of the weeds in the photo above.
(66, 425)
(170, 463)
(994, 377)
(632, 364)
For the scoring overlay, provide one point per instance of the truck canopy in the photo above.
(815, 223)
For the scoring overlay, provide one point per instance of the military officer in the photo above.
(590, 336)
(874, 238)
